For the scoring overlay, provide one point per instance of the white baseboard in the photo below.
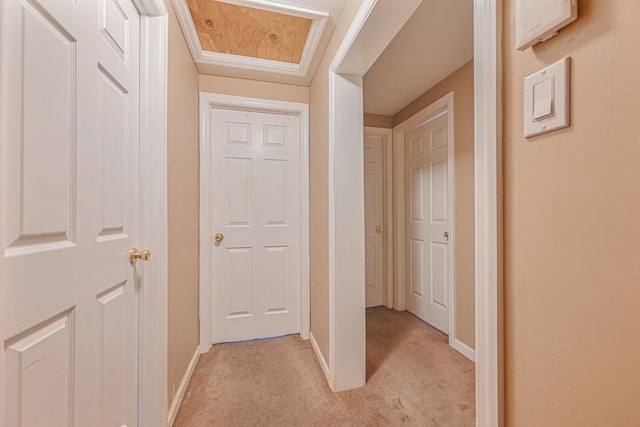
(177, 399)
(465, 350)
(323, 363)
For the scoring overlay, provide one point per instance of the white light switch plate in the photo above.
(546, 99)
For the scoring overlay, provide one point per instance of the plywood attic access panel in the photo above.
(237, 30)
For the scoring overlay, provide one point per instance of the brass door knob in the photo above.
(379, 229)
(446, 235)
(135, 255)
(219, 237)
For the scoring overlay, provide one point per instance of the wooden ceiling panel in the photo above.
(238, 30)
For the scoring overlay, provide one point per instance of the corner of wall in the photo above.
(183, 195)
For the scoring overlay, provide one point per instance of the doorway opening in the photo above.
(372, 30)
(378, 218)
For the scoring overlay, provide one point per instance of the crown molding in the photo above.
(226, 64)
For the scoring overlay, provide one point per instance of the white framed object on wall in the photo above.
(539, 20)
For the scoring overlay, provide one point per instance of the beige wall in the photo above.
(319, 182)
(572, 229)
(460, 82)
(253, 89)
(378, 121)
(182, 152)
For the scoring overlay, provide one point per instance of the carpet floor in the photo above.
(413, 378)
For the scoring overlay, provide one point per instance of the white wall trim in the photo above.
(200, 56)
(208, 101)
(151, 8)
(323, 362)
(488, 213)
(399, 303)
(346, 234)
(387, 156)
(182, 388)
(352, 33)
(464, 349)
(332, 237)
(153, 315)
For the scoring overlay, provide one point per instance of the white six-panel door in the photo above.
(255, 205)
(427, 221)
(374, 218)
(69, 212)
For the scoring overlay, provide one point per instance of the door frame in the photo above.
(488, 213)
(153, 277)
(446, 103)
(215, 100)
(387, 202)
(375, 24)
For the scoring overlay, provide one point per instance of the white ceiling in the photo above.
(437, 40)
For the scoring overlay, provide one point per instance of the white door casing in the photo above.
(152, 275)
(296, 184)
(256, 210)
(427, 217)
(70, 195)
(487, 34)
(374, 224)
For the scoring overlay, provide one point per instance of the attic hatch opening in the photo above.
(245, 31)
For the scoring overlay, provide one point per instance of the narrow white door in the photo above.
(68, 212)
(427, 221)
(374, 219)
(256, 275)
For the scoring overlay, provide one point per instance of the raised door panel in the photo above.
(439, 170)
(438, 137)
(238, 134)
(416, 146)
(40, 374)
(416, 260)
(114, 26)
(439, 274)
(276, 259)
(239, 282)
(416, 194)
(238, 191)
(275, 139)
(370, 198)
(439, 193)
(41, 191)
(112, 141)
(275, 136)
(115, 349)
(275, 193)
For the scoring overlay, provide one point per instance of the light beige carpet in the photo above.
(413, 378)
